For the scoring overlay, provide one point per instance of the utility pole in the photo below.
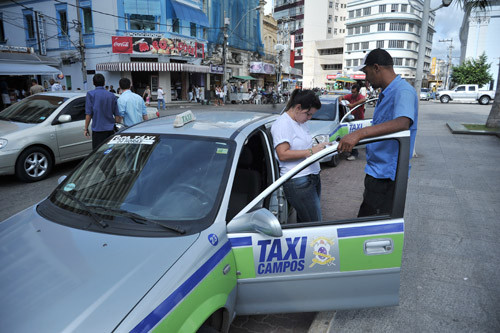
(227, 20)
(448, 67)
(81, 45)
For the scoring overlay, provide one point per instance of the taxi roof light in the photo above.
(184, 118)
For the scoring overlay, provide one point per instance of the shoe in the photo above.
(351, 158)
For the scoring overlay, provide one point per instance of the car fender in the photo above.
(203, 311)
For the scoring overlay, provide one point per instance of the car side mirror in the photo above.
(350, 118)
(65, 118)
(261, 220)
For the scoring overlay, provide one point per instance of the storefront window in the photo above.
(142, 22)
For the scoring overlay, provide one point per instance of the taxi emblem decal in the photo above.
(321, 246)
(213, 239)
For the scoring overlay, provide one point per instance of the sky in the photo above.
(447, 26)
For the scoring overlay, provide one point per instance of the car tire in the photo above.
(444, 99)
(34, 164)
(484, 100)
(334, 161)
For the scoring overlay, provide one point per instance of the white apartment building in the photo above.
(390, 25)
(482, 37)
(318, 28)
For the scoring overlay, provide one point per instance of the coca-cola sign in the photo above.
(122, 44)
(158, 45)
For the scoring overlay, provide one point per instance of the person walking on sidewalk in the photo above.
(161, 99)
(130, 105)
(102, 109)
(355, 98)
(396, 110)
(147, 95)
(35, 87)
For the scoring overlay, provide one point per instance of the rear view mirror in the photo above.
(65, 118)
(261, 220)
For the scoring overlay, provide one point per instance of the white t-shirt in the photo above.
(56, 87)
(362, 91)
(285, 129)
(160, 93)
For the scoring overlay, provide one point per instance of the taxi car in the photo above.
(43, 130)
(332, 121)
(179, 224)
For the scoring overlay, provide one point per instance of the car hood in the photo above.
(7, 127)
(55, 278)
(317, 127)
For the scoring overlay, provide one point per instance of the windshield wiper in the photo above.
(138, 218)
(85, 207)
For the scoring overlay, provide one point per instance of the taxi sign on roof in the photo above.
(184, 118)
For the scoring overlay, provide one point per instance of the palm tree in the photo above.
(469, 6)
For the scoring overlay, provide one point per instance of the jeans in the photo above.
(304, 193)
(162, 103)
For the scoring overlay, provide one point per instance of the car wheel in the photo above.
(34, 164)
(444, 99)
(484, 100)
(334, 161)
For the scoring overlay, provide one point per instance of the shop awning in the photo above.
(242, 77)
(27, 69)
(151, 67)
(190, 14)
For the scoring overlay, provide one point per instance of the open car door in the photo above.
(337, 263)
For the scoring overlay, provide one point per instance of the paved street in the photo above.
(449, 280)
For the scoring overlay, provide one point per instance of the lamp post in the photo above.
(227, 21)
(423, 38)
(448, 67)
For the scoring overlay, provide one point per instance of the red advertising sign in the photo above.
(292, 58)
(331, 77)
(121, 44)
(358, 76)
(149, 45)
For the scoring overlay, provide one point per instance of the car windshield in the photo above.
(327, 110)
(33, 109)
(162, 178)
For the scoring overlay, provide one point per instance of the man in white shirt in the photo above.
(161, 99)
(54, 86)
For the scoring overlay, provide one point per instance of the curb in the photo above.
(459, 128)
(322, 322)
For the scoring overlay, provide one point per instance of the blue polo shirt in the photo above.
(398, 99)
(101, 105)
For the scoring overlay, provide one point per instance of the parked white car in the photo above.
(467, 92)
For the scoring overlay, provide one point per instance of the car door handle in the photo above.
(378, 246)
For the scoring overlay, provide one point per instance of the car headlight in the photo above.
(320, 139)
(3, 143)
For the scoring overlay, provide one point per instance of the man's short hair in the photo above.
(99, 80)
(377, 56)
(124, 83)
(356, 86)
(35, 81)
(52, 81)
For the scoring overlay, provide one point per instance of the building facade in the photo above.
(390, 25)
(482, 37)
(167, 43)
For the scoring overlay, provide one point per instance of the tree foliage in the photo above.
(472, 71)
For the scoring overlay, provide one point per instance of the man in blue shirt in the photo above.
(130, 105)
(101, 108)
(396, 110)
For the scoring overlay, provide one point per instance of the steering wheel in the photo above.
(191, 189)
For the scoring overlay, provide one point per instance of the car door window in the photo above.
(461, 88)
(254, 172)
(76, 109)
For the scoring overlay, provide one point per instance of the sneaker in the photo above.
(351, 158)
